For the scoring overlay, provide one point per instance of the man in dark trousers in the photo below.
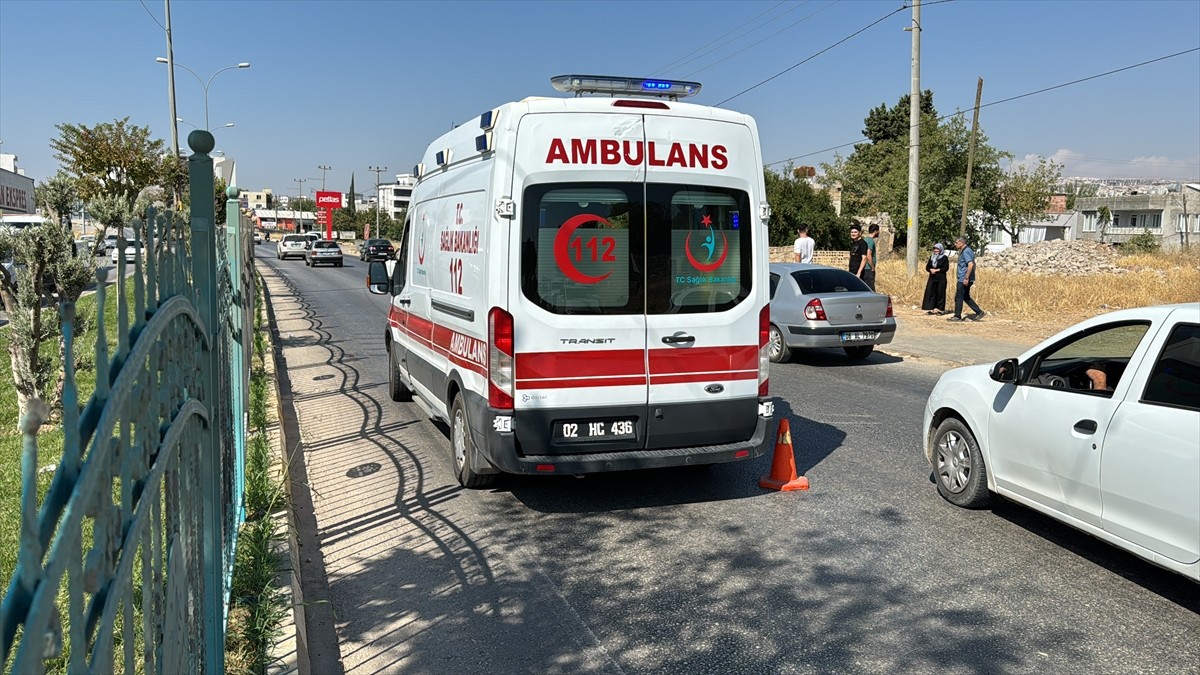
(966, 279)
(858, 251)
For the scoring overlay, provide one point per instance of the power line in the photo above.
(693, 54)
(155, 18)
(810, 58)
(787, 27)
(1004, 100)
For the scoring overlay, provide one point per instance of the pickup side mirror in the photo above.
(378, 281)
(1005, 371)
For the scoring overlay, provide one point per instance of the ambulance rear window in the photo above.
(634, 248)
(581, 247)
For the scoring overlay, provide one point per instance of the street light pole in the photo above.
(378, 195)
(323, 169)
(206, 85)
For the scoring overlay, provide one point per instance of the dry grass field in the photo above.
(1027, 307)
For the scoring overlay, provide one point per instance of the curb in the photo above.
(316, 635)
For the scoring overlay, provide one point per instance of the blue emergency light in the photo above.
(624, 86)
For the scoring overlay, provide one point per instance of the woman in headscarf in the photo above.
(935, 285)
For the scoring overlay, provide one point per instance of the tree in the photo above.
(47, 273)
(57, 197)
(1021, 197)
(874, 177)
(110, 211)
(302, 204)
(110, 158)
(353, 197)
(1076, 189)
(1104, 220)
(794, 202)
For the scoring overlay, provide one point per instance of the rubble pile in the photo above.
(1058, 257)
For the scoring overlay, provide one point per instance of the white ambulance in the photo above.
(581, 286)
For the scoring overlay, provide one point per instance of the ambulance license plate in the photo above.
(595, 430)
(859, 336)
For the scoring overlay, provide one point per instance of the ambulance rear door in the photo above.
(578, 283)
(703, 287)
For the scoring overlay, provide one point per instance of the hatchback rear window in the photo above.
(324, 244)
(828, 280)
(379, 242)
(293, 237)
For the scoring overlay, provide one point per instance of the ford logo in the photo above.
(715, 388)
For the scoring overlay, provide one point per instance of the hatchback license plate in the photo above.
(859, 336)
(595, 430)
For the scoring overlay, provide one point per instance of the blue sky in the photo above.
(353, 84)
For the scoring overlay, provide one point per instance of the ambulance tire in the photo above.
(396, 389)
(463, 448)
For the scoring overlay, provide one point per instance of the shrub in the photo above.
(1142, 243)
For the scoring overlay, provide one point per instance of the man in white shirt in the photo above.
(804, 246)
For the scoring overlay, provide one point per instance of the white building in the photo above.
(16, 189)
(396, 196)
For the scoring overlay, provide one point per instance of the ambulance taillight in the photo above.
(764, 354)
(500, 359)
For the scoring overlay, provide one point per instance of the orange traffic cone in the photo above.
(783, 467)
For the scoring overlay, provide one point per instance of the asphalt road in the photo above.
(694, 570)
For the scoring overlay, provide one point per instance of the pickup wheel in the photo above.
(958, 465)
(396, 389)
(464, 448)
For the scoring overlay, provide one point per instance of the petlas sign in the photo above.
(329, 200)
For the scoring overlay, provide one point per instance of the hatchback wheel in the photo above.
(777, 349)
(958, 465)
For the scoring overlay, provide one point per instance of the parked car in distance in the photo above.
(132, 250)
(258, 237)
(816, 306)
(323, 252)
(292, 245)
(376, 249)
(1098, 427)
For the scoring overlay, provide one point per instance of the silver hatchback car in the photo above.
(814, 306)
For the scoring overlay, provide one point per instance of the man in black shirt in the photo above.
(858, 251)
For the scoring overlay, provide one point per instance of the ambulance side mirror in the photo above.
(378, 281)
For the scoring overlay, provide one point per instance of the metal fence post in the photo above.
(204, 276)
(237, 380)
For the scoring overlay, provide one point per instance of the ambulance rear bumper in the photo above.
(501, 451)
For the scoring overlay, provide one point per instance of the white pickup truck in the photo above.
(1098, 426)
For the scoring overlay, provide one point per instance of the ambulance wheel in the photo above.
(777, 349)
(464, 449)
(396, 389)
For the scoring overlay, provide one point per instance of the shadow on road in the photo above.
(836, 358)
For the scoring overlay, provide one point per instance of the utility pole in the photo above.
(962, 227)
(171, 84)
(378, 196)
(323, 169)
(300, 203)
(914, 141)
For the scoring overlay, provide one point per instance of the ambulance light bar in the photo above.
(628, 86)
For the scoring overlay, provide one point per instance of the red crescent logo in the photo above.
(711, 267)
(563, 257)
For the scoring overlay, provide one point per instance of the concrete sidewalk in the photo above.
(959, 350)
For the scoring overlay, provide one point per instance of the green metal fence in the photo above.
(125, 565)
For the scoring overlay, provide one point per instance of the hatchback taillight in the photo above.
(500, 359)
(764, 354)
(889, 313)
(814, 310)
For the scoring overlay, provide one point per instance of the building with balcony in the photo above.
(1173, 218)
